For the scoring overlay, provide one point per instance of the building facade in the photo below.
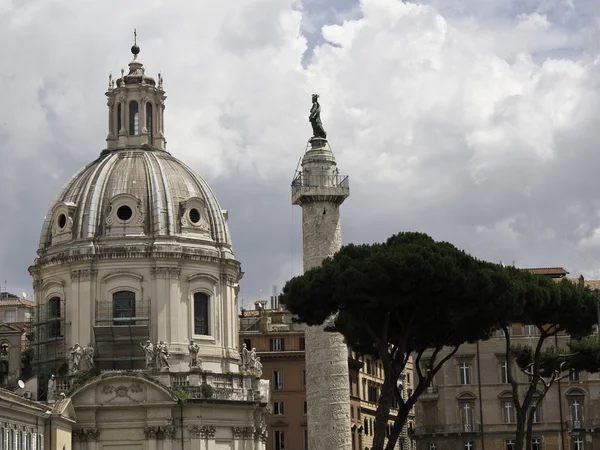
(280, 344)
(469, 404)
(136, 291)
(15, 315)
(30, 425)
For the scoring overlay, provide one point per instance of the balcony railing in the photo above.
(197, 385)
(589, 424)
(459, 428)
(314, 181)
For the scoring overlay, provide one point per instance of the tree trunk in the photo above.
(397, 428)
(383, 412)
(529, 430)
(520, 432)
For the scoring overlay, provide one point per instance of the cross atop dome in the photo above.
(136, 106)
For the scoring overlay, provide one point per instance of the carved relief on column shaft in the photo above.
(165, 272)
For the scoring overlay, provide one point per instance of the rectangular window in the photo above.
(509, 444)
(465, 373)
(530, 330)
(578, 443)
(276, 344)
(305, 408)
(302, 343)
(537, 414)
(536, 444)
(305, 439)
(278, 409)
(279, 440)
(278, 380)
(573, 375)
(248, 343)
(431, 446)
(201, 318)
(507, 411)
(469, 445)
(466, 410)
(304, 378)
(503, 372)
(352, 412)
(576, 413)
(10, 316)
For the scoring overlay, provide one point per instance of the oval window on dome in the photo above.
(194, 215)
(62, 221)
(124, 213)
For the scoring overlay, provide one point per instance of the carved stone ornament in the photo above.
(249, 432)
(195, 431)
(165, 272)
(150, 432)
(169, 431)
(208, 431)
(238, 432)
(93, 434)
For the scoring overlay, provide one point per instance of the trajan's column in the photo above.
(320, 191)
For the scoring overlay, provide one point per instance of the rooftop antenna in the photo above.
(134, 36)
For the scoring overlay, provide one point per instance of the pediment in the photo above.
(8, 329)
(120, 389)
(279, 424)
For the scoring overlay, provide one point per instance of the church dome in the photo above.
(135, 193)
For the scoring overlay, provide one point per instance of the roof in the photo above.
(593, 284)
(154, 185)
(16, 302)
(14, 399)
(553, 272)
(6, 294)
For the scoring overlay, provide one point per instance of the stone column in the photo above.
(238, 434)
(207, 432)
(320, 194)
(150, 433)
(168, 435)
(195, 437)
(92, 435)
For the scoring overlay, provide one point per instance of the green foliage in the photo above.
(206, 390)
(585, 354)
(83, 376)
(431, 293)
(181, 395)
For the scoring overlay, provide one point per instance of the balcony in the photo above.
(581, 425)
(430, 393)
(460, 428)
(197, 385)
(328, 187)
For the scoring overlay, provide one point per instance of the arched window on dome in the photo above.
(201, 318)
(54, 317)
(123, 308)
(149, 122)
(134, 118)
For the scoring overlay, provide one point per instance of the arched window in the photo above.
(124, 308)
(54, 317)
(119, 118)
(201, 319)
(149, 122)
(134, 118)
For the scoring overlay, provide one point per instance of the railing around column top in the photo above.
(308, 181)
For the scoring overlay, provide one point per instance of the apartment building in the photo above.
(469, 405)
(280, 345)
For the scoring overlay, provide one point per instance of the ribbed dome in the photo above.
(135, 193)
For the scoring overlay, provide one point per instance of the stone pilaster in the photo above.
(150, 433)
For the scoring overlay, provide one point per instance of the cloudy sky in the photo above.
(476, 121)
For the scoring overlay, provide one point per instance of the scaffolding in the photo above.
(119, 333)
(46, 334)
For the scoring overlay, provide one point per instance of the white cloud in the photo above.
(456, 123)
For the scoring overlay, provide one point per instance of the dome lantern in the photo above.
(135, 108)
